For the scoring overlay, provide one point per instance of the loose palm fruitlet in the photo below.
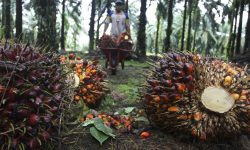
(92, 87)
(31, 93)
(204, 97)
(123, 123)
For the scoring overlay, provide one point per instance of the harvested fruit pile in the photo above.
(205, 97)
(106, 41)
(123, 41)
(92, 87)
(31, 97)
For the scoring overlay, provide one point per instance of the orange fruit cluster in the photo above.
(116, 121)
(92, 87)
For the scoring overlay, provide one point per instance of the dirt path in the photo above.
(124, 93)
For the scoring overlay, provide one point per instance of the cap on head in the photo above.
(119, 2)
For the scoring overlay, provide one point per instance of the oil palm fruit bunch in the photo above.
(31, 93)
(124, 41)
(200, 96)
(106, 41)
(92, 86)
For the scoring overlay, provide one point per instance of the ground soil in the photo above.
(133, 76)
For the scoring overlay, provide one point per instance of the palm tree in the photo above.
(71, 17)
(170, 22)
(236, 6)
(19, 20)
(3, 13)
(183, 26)
(92, 26)
(46, 14)
(62, 39)
(247, 37)
(196, 23)
(7, 21)
(141, 35)
(237, 50)
(190, 8)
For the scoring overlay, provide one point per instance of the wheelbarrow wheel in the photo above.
(113, 71)
(106, 63)
(122, 63)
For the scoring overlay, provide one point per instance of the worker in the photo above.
(119, 20)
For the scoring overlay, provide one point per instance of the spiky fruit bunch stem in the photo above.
(31, 96)
(201, 96)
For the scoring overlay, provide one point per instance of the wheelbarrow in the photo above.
(114, 56)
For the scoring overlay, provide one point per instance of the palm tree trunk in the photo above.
(7, 20)
(19, 20)
(234, 32)
(169, 29)
(183, 26)
(196, 25)
(195, 32)
(229, 52)
(3, 13)
(92, 26)
(46, 15)
(188, 45)
(98, 23)
(237, 50)
(141, 35)
(247, 36)
(157, 34)
(63, 27)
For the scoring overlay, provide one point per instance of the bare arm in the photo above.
(106, 25)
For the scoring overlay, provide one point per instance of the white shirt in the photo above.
(119, 23)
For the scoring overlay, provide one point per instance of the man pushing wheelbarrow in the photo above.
(118, 44)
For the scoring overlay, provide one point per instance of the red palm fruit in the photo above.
(54, 109)
(177, 57)
(32, 143)
(178, 73)
(167, 83)
(164, 97)
(23, 112)
(33, 120)
(174, 97)
(10, 54)
(144, 135)
(14, 143)
(188, 79)
(31, 93)
(72, 56)
(188, 68)
(90, 116)
(57, 87)
(45, 136)
(174, 109)
(153, 82)
(180, 87)
(197, 116)
(2, 89)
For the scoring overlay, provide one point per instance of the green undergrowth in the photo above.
(124, 86)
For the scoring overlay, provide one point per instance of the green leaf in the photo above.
(129, 109)
(103, 128)
(143, 119)
(98, 135)
(88, 122)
